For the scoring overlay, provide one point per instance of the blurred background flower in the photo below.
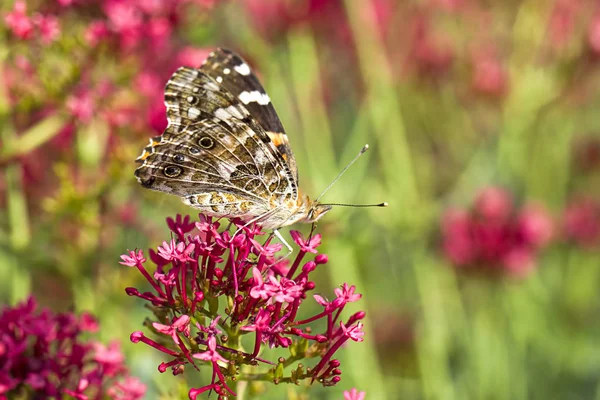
(482, 121)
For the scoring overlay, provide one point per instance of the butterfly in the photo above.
(224, 150)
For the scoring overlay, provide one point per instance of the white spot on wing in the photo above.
(233, 110)
(242, 69)
(211, 86)
(226, 71)
(256, 96)
(225, 114)
(219, 79)
(222, 114)
(193, 112)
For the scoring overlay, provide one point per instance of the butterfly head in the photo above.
(316, 211)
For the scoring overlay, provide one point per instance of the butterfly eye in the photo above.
(172, 171)
(206, 142)
(178, 158)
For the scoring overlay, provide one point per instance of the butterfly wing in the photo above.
(212, 145)
(237, 78)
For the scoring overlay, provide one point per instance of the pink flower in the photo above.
(131, 388)
(346, 294)
(354, 394)
(494, 203)
(95, 33)
(82, 106)
(18, 21)
(172, 251)
(211, 353)
(495, 237)
(109, 357)
(192, 56)
(44, 355)
(562, 21)
(309, 245)
(48, 27)
(519, 261)
(535, 226)
(489, 76)
(593, 36)
(458, 244)
(180, 324)
(133, 258)
(353, 332)
(123, 16)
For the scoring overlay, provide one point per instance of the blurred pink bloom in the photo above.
(110, 357)
(593, 36)
(494, 203)
(537, 228)
(48, 27)
(159, 31)
(43, 354)
(156, 116)
(269, 18)
(432, 55)
(581, 222)
(149, 84)
(489, 76)
(379, 14)
(494, 236)
(132, 388)
(18, 22)
(354, 394)
(519, 262)
(96, 32)
(192, 56)
(123, 16)
(562, 21)
(24, 64)
(456, 228)
(82, 106)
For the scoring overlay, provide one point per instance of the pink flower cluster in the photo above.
(495, 236)
(42, 356)
(210, 288)
(24, 26)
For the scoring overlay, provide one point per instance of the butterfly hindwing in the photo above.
(236, 76)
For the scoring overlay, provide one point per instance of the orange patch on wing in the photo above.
(276, 138)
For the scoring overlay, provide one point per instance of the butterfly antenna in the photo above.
(360, 153)
(384, 204)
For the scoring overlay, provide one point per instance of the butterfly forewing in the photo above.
(236, 76)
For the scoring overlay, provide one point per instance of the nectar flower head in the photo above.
(211, 280)
(32, 340)
(495, 236)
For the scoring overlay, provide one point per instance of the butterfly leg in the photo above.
(286, 244)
